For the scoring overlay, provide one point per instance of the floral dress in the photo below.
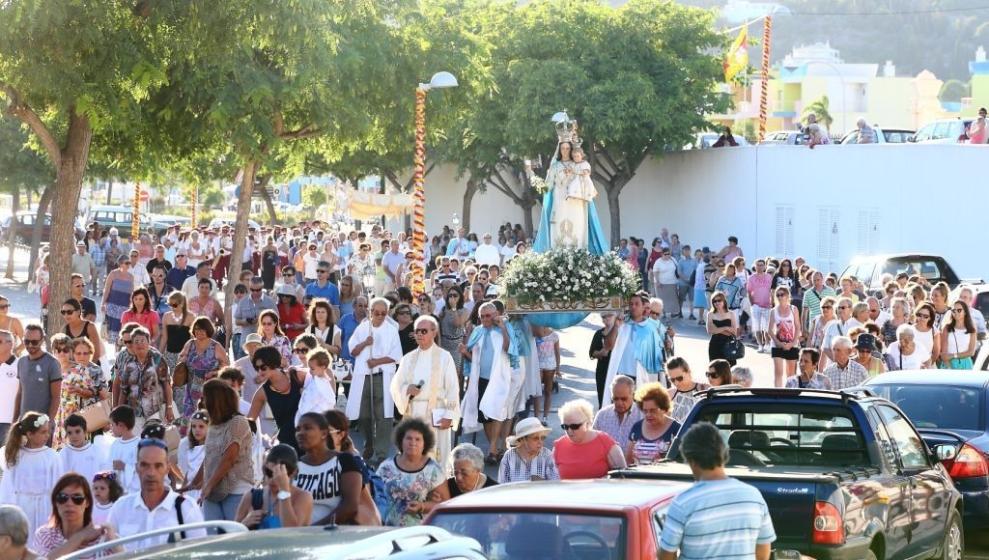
(282, 343)
(82, 376)
(141, 383)
(403, 487)
(199, 365)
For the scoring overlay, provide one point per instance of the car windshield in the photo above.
(936, 406)
(539, 535)
(788, 435)
(928, 268)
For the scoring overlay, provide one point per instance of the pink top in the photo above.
(759, 287)
(586, 460)
(148, 320)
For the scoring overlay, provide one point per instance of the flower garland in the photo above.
(567, 275)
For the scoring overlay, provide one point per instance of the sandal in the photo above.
(491, 459)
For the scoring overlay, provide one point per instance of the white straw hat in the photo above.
(526, 427)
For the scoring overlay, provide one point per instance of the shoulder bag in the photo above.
(180, 375)
(733, 349)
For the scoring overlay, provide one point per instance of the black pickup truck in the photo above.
(845, 474)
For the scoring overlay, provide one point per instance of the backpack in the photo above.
(378, 492)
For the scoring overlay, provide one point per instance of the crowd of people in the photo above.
(158, 417)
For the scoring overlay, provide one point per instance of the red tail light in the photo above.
(968, 463)
(828, 527)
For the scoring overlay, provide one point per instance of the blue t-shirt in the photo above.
(328, 292)
(722, 519)
(348, 324)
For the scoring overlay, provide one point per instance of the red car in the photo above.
(563, 520)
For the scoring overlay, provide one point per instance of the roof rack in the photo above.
(844, 394)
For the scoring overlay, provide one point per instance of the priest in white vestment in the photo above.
(426, 386)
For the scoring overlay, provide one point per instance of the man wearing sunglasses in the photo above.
(376, 349)
(426, 385)
(157, 506)
(637, 346)
(40, 376)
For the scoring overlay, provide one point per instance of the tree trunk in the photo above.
(472, 186)
(109, 191)
(12, 234)
(248, 174)
(68, 185)
(527, 204)
(268, 203)
(614, 210)
(43, 203)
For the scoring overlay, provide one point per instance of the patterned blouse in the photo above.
(404, 487)
(142, 382)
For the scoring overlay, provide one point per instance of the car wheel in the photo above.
(954, 538)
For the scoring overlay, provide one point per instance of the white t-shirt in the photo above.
(86, 460)
(487, 254)
(8, 390)
(666, 271)
(913, 361)
(324, 483)
(126, 452)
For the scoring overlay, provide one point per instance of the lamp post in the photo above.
(438, 81)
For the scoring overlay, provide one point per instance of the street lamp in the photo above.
(439, 80)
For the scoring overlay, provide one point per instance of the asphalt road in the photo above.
(577, 369)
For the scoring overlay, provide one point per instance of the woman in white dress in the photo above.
(30, 470)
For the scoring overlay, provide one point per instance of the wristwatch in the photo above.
(283, 495)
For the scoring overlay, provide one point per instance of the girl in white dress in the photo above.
(106, 492)
(192, 451)
(30, 470)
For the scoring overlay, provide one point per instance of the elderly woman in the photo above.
(651, 437)
(82, 385)
(527, 457)
(741, 375)
(900, 315)
(14, 534)
(584, 452)
(467, 467)
(905, 353)
(413, 481)
(282, 503)
(71, 526)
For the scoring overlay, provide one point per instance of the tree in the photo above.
(954, 90)
(74, 72)
(21, 169)
(821, 108)
(314, 196)
(638, 79)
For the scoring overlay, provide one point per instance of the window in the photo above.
(658, 521)
(911, 449)
(928, 268)
(925, 133)
(545, 535)
(937, 406)
(941, 130)
(789, 435)
(882, 436)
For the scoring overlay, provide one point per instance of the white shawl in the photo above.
(494, 404)
(641, 375)
(386, 345)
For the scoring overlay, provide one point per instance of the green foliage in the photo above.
(314, 196)
(821, 108)
(954, 90)
(20, 166)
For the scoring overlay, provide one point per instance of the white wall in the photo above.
(826, 204)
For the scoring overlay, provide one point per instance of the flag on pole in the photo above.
(737, 57)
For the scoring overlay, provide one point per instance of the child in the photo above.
(548, 351)
(581, 186)
(30, 470)
(123, 450)
(106, 491)
(80, 455)
(192, 451)
(319, 390)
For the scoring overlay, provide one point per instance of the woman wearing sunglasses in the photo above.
(584, 452)
(278, 502)
(71, 525)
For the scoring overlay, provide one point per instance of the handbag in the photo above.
(180, 375)
(97, 416)
(733, 349)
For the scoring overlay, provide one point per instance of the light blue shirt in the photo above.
(487, 355)
(627, 364)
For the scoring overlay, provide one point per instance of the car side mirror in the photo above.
(945, 451)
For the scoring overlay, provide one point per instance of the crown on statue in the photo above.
(566, 128)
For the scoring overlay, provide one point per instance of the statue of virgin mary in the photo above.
(569, 217)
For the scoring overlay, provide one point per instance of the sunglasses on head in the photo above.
(569, 427)
(152, 442)
(62, 498)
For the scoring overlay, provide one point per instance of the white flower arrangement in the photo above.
(568, 275)
(538, 184)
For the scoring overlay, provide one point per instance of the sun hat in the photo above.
(253, 338)
(284, 290)
(526, 427)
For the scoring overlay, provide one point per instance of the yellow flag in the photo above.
(737, 57)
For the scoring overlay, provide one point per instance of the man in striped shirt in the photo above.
(718, 517)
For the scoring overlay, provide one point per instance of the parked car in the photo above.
(168, 220)
(788, 137)
(870, 269)
(704, 140)
(883, 136)
(944, 131)
(949, 408)
(26, 224)
(592, 519)
(331, 541)
(845, 474)
(121, 217)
